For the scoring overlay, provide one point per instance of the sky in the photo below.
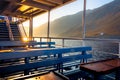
(68, 9)
(77, 6)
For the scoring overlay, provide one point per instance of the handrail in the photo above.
(40, 52)
(69, 38)
(9, 29)
(22, 28)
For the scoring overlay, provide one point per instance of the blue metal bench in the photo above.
(55, 58)
(42, 44)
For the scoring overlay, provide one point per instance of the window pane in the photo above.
(103, 18)
(67, 20)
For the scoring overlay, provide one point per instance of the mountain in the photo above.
(100, 22)
(60, 25)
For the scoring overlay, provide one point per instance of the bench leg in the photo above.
(117, 77)
(83, 61)
(97, 77)
(26, 72)
(60, 68)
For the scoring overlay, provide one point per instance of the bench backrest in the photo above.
(57, 59)
(42, 44)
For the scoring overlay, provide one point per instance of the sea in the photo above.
(101, 49)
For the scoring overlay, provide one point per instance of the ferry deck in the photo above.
(45, 60)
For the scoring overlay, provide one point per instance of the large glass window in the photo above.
(66, 21)
(40, 24)
(103, 18)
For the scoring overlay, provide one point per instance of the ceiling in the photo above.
(27, 8)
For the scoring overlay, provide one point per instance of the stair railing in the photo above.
(9, 28)
(23, 29)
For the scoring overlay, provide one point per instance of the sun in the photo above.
(25, 39)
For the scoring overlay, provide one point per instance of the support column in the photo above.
(84, 20)
(119, 49)
(31, 29)
(48, 28)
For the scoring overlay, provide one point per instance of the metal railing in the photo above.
(104, 46)
(22, 29)
(9, 29)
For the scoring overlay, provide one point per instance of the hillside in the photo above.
(105, 19)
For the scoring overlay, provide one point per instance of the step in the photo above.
(4, 35)
(5, 32)
(15, 30)
(2, 23)
(12, 43)
(17, 35)
(2, 31)
(7, 39)
(4, 28)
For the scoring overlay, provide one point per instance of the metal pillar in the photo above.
(83, 20)
(30, 28)
(119, 49)
(48, 28)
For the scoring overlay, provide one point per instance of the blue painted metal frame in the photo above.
(44, 63)
(49, 62)
(41, 43)
(39, 52)
(48, 44)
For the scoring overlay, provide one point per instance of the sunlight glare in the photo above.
(40, 20)
(25, 39)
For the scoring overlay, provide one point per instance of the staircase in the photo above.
(5, 40)
(4, 33)
(15, 32)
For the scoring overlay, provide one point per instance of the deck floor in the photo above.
(86, 76)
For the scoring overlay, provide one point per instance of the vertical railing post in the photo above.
(33, 38)
(63, 42)
(49, 45)
(40, 39)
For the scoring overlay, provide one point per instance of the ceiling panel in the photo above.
(27, 8)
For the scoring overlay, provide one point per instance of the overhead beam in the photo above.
(15, 14)
(27, 10)
(56, 1)
(45, 2)
(36, 4)
(35, 12)
(38, 13)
